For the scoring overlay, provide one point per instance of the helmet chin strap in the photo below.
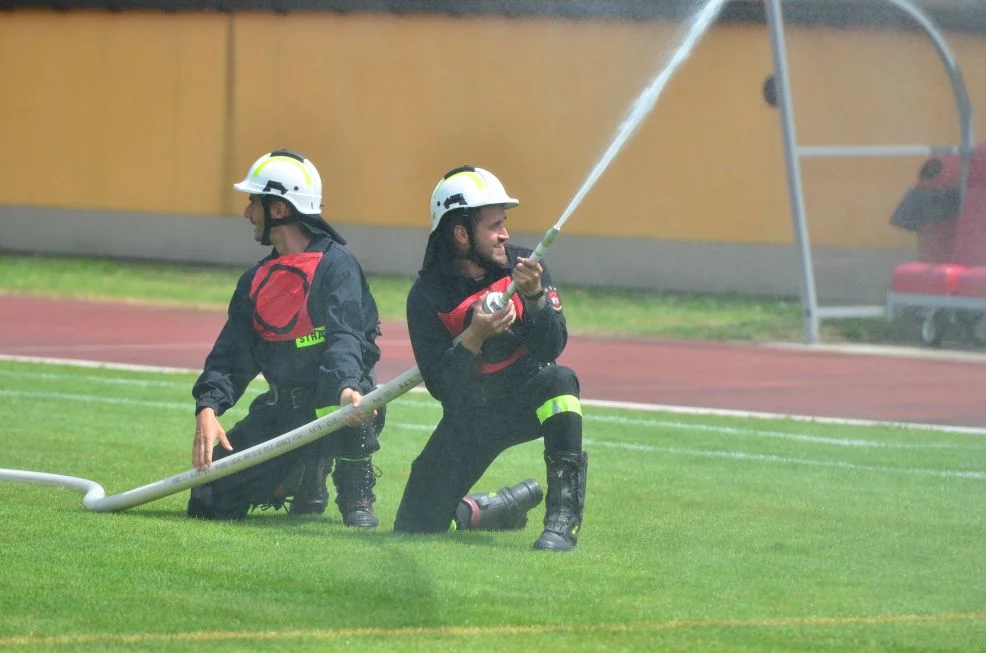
(268, 221)
(265, 235)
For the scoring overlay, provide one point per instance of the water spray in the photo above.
(95, 498)
(641, 107)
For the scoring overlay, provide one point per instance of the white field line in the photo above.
(89, 399)
(732, 430)
(753, 457)
(112, 346)
(645, 422)
(780, 435)
(606, 419)
(626, 446)
(725, 412)
(171, 346)
(767, 458)
(108, 380)
(601, 403)
(127, 367)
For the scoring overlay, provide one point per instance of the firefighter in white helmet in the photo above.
(304, 317)
(494, 373)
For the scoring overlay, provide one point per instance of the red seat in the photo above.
(952, 251)
(972, 282)
(927, 278)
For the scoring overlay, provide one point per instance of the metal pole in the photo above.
(807, 151)
(809, 301)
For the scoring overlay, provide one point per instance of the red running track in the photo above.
(907, 386)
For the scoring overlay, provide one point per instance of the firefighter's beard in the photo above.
(491, 258)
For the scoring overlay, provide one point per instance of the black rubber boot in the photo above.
(354, 480)
(207, 502)
(306, 483)
(503, 510)
(566, 498)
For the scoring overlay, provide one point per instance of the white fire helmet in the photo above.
(467, 187)
(288, 176)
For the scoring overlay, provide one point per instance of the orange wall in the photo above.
(154, 112)
(113, 111)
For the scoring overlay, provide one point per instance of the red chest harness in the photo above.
(455, 322)
(279, 292)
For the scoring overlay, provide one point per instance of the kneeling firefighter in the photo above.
(305, 318)
(495, 373)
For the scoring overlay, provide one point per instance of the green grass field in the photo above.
(702, 533)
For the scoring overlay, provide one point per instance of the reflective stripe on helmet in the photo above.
(295, 162)
(288, 176)
(467, 187)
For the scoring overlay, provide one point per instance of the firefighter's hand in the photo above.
(357, 416)
(207, 431)
(527, 276)
(486, 325)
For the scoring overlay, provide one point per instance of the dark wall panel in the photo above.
(956, 15)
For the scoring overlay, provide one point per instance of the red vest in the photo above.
(455, 322)
(279, 292)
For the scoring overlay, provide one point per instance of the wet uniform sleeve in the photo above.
(230, 366)
(342, 367)
(444, 366)
(544, 330)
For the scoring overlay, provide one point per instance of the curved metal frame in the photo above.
(792, 152)
(958, 85)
